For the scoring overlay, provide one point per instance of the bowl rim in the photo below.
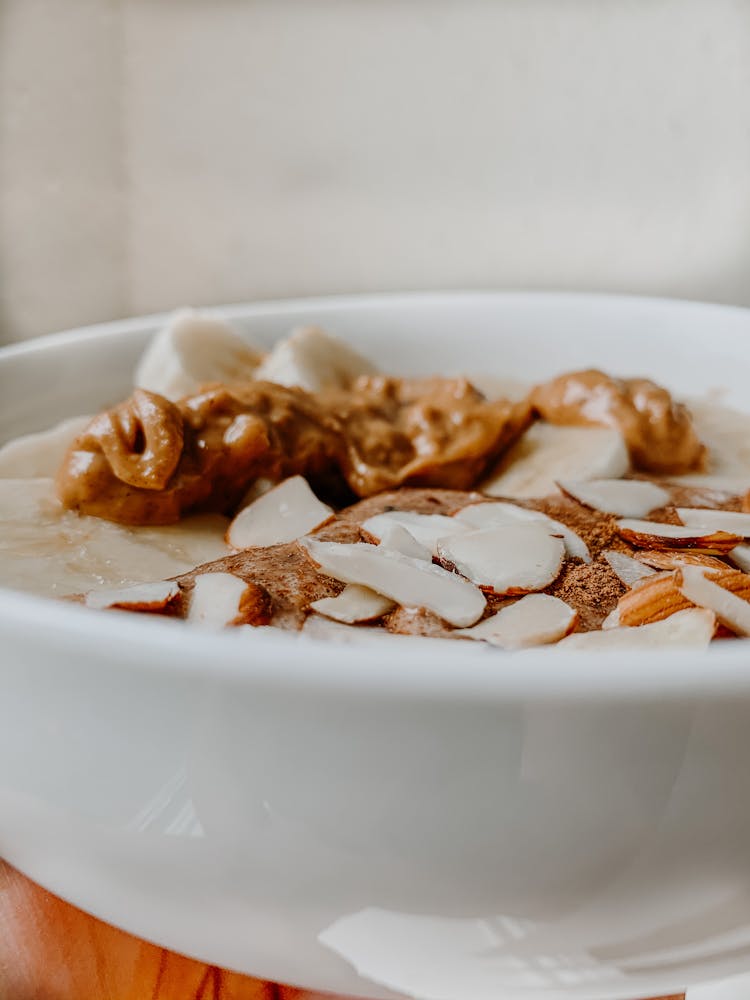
(413, 668)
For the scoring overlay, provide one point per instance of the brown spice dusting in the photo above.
(593, 590)
(417, 621)
(291, 581)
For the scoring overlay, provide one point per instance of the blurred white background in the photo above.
(162, 152)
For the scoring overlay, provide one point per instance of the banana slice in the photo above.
(314, 360)
(547, 453)
(49, 551)
(193, 349)
(40, 454)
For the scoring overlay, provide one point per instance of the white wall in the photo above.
(157, 152)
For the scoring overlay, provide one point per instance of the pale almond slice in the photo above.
(409, 582)
(220, 599)
(612, 620)
(669, 560)
(654, 535)
(730, 521)
(621, 497)
(730, 609)
(627, 569)
(510, 559)
(314, 360)
(159, 596)
(354, 604)
(426, 528)
(495, 514)
(740, 556)
(546, 453)
(282, 514)
(319, 627)
(692, 628)
(395, 536)
(723, 487)
(534, 620)
(190, 350)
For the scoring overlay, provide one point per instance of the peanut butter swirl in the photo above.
(658, 431)
(148, 461)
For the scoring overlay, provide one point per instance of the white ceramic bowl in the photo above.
(436, 819)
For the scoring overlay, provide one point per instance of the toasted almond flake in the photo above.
(216, 599)
(409, 582)
(655, 598)
(655, 535)
(157, 596)
(625, 568)
(354, 604)
(394, 536)
(534, 620)
(692, 628)
(547, 453)
(740, 556)
(707, 592)
(282, 514)
(426, 528)
(621, 497)
(510, 559)
(495, 514)
(730, 521)
(673, 559)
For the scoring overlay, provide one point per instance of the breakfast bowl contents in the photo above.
(411, 506)
(406, 657)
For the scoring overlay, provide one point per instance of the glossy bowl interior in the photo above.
(436, 820)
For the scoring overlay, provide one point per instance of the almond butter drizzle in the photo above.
(658, 431)
(148, 461)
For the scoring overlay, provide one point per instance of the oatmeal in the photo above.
(589, 511)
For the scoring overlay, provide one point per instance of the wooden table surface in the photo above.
(50, 950)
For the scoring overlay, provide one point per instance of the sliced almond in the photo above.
(730, 609)
(220, 599)
(733, 522)
(395, 536)
(318, 627)
(612, 620)
(161, 596)
(534, 620)
(426, 528)
(314, 360)
(497, 513)
(655, 599)
(692, 628)
(625, 568)
(409, 582)
(192, 349)
(674, 559)
(547, 453)
(354, 604)
(621, 497)
(740, 556)
(511, 559)
(723, 487)
(654, 535)
(282, 514)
